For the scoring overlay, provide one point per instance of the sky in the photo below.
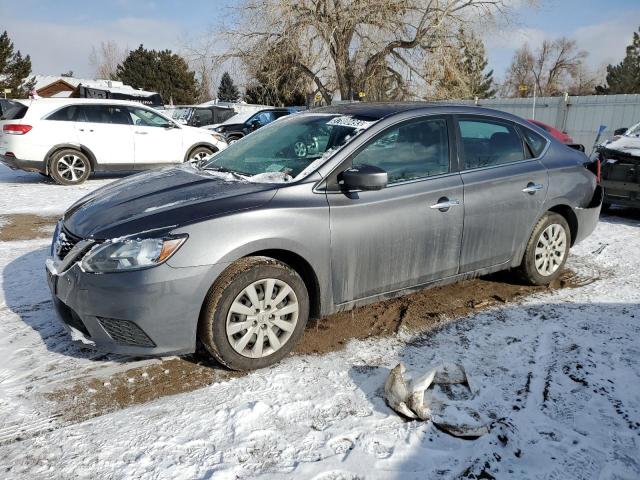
(59, 35)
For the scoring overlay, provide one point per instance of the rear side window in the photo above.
(416, 149)
(486, 143)
(66, 114)
(112, 114)
(203, 116)
(13, 110)
(535, 142)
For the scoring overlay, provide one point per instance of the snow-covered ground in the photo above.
(558, 374)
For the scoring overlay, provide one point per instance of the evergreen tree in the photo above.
(624, 77)
(227, 91)
(14, 69)
(160, 71)
(464, 76)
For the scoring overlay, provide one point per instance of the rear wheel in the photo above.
(547, 250)
(254, 314)
(69, 167)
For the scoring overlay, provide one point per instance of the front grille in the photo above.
(64, 243)
(125, 332)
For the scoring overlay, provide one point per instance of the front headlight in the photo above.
(130, 254)
(219, 138)
(219, 129)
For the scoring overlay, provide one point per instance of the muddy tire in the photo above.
(254, 314)
(69, 167)
(547, 250)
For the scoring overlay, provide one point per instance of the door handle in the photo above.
(142, 133)
(532, 188)
(445, 204)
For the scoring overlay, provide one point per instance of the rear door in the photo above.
(397, 237)
(157, 140)
(504, 190)
(106, 131)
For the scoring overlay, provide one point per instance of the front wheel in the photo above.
(547, 250)
(254, 314)
(200, 154)
(69, 167)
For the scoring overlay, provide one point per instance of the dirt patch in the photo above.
(26, 226)
(419, 312)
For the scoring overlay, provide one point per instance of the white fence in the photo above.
(580, 117)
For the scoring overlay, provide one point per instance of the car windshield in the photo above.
(633, 131)
(289, 148)
(179, 113)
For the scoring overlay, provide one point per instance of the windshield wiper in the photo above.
(215, 168)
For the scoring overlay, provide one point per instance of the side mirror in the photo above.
(365, 177)
(620, 131)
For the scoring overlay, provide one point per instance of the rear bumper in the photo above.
(588, 216)
(147, 312)
(26, 165)
(622, 193)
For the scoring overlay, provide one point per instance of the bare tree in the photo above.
(550, 69)
(375, 46)
(106, 58)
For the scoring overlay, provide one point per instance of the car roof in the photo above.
(379, 110)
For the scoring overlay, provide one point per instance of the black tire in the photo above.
(60, 167)
(233, 138)
(528, 270)
(212, 325)
(198, 154)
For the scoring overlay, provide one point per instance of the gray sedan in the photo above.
(316, 213)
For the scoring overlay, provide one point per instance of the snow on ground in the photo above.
(558, 377)
(26, 192)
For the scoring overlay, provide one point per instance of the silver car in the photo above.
(316, 213)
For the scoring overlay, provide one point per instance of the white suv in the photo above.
(69, 138)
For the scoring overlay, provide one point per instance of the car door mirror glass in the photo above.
(364, 177)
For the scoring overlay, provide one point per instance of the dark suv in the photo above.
(244, 123)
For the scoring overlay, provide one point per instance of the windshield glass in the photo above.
(633, 131)
(239, 118)
(179, 113)
(288, 148)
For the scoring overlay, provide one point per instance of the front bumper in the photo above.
(146, 312)
(589, 216)
(17, 164)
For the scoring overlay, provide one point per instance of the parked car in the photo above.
(70, 138)
(316, 213)
(242, 124)
(563, 137)
(620, 168)
(200, 116)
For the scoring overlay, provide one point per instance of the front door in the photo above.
(106, 131)
(408, 233)
(157, 140)
(503, 191)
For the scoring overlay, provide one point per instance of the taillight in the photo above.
(598, 169)
(12, 129)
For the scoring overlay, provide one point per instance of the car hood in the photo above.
(158, 201)
(624, 144)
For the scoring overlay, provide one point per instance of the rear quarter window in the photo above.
(13, 110)
(535, 142)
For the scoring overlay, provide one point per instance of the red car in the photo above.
(564, 137)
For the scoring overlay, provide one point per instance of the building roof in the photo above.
(114, 86)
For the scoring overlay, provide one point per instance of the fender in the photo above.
(74, 146)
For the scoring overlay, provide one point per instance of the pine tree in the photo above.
(464, 75)
(227, 91)
(14, 69)
(624, 77)
(160, 71)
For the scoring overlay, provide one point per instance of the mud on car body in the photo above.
(316, 213)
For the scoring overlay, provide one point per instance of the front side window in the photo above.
(203, 116)
(263, 118)
(146, 118)
(289, 147)
(486, 143)
(416, 149)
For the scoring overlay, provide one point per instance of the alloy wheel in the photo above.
(262, 318)
(71, 167)
(550, 249)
